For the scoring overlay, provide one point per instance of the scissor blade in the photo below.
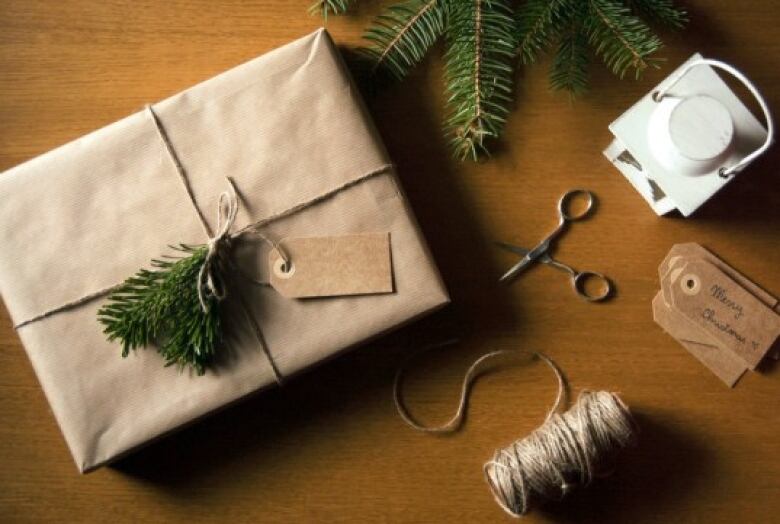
(513, 249)
(516, 269)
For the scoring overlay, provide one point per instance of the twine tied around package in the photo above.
(568, 450)
(218, 249)
(219, 243)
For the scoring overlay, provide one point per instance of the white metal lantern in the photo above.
(688, 137)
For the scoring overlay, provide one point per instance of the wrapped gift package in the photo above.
(289, 128)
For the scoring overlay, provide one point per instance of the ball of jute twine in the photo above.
(568, 450)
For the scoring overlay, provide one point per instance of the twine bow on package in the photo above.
(269, 173)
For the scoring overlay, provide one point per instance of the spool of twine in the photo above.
(568, 450)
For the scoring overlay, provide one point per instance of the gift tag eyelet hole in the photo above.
(284, 269)
(690, 284)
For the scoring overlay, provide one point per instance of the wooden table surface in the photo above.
(329, 446)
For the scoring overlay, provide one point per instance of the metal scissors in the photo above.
(541, 252)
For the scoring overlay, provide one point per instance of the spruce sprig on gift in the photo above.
(477, 35)
(162, 306)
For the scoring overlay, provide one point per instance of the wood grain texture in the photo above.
(329, 446)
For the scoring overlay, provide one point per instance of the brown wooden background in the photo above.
(329, 446)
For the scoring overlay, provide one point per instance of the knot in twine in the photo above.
(219, 245)
(568, 450)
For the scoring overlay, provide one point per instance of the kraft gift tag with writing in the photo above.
(690, 250)
(723, 309)
(333, 266)
(708, 307)
(724, 364)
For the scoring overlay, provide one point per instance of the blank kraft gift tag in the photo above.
(333, 266)
(723, 309)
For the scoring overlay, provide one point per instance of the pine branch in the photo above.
(161, 306)
(479, 72)
(326, 7)
(663, 12)
(402, 34)
(484, 36)
(538, 23)
(621, 39)
(569, 70)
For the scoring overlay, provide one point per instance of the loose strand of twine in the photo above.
(476, 369)
(568, 450)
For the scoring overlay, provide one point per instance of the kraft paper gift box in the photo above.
(288, 127)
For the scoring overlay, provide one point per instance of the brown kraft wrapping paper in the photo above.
(287, 126)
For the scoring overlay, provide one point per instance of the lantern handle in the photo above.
(770, 135)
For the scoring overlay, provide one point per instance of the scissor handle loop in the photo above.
(564, 204)
(580, 279)
(726, 172)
